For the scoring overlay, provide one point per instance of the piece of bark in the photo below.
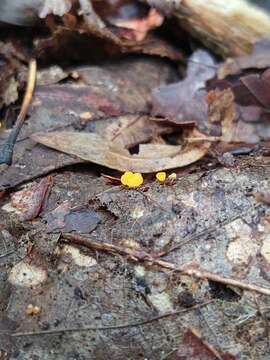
(228, 28)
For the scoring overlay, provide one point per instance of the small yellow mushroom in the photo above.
(32, 310)
(161, 176)
(172, 176)
(132, 180)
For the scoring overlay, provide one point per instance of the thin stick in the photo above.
(126, 127)
(7, 149)
(207, 138)
(186, 269)
(113, 327)
(7, 254)
(194, 237)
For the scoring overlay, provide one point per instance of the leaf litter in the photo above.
(151, 158)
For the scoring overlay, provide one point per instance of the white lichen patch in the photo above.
(161, 302)
(139, 271)
(137, 212)
(265, 249)
(188, 200)
(261, 228)
(242, 245)
(23, 274)
(79, 259)
(10, 209)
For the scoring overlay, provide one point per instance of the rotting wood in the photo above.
(229, 28)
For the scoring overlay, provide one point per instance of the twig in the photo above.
(6, 152)
(126, 127)
(207, 138)
(113, 327)
(186, 269)
(193, 237)
(7, 254)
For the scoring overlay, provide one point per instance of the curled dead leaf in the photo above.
(221, 109)
(151, 157)
(185, 101)
(142, 26)
(29, 201)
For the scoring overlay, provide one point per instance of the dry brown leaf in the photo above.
(141, 27)
(130, 130)
(221, 109)
(151, 158)
(259, 58)
(29, 201)
(185, 101)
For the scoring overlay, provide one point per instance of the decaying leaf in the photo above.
(258, 59)
(195, 347)
(131, 130)
(65, 218)
(221, 109)
(185, 101)
(259, 87)
(251, 93)
(140, 27)
(103, 27)
(11, 65)
(30, 200)
(151, 158)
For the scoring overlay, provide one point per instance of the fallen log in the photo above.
(229, 28)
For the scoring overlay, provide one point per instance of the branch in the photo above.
(6, 152)
(113, 327)
(186, 269)
(228, 28)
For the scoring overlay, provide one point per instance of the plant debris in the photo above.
(30, 200)
(151, 158)
(134, 179)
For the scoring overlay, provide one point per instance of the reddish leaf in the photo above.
(194, 347)
(259, 87)
(30, 200)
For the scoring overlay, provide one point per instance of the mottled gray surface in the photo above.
(111, 289)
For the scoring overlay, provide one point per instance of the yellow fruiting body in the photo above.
(172, 176)
(33, 310)
(126, 177)
(161, 176)
(132, 180)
